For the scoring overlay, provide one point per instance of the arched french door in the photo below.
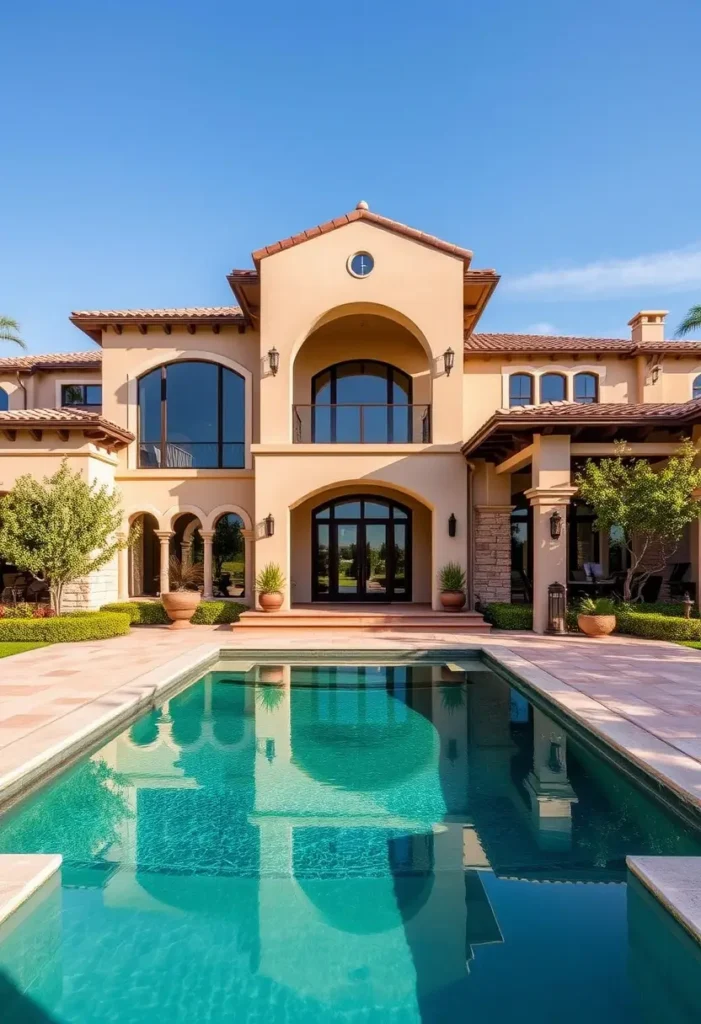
(361, 550)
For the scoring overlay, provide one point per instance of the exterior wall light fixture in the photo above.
(448, 361)
(269, 523)
(556, 525)
(274, 361)
(655, 374)
(452, 525)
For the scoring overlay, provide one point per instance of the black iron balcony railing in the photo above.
(366, 423)
(191, 455)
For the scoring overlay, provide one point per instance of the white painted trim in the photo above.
(75, 378)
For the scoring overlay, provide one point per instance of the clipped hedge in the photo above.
(152, 613)
(509, 616)
(65, 628)
(673, 608)
(655, 626)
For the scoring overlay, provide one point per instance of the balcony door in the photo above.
(361, 402)
(361, 550)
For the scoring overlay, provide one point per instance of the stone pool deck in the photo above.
(642, 697)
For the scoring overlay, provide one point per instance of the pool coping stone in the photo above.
(21, 874)
(676, 883)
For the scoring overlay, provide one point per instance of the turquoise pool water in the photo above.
(368, 844)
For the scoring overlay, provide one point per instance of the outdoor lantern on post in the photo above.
(448, 361)
(452, 525)
(557, 608)
(269, 524)
(274, 361)
(555, 525)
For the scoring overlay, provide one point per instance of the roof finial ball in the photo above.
(362, 205)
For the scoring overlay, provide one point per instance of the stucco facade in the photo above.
(290, 422)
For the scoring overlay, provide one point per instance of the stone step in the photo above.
(464, 622)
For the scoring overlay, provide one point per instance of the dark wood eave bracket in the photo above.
(112, 440)
(95, 329)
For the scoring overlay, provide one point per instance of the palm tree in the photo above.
(691, 322)
(9, 331)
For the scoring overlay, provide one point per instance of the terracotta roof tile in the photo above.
(180, 313)
(65, 419)
(52, 361)
(372, 218)
(567, 343)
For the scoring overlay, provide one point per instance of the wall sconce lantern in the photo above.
(269, 524)
(452, 525)
(448, 361)
(274, 361)
(655, 374)
(556, 525)
(557, 608)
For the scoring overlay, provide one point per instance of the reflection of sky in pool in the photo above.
(389, 844)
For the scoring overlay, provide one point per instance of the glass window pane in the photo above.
(93, 394)
(321, 569)
(376, 510)
(400, 559)
(361, 382)
(347, 560)
(150, 407)
(73, 394)
(322, 388)
(347, 422)
(398, 513)
(401, 388)
(400, 422)
(4, 400)
(233, 407)
(347, 510)
(585, 388)
(321, 424)
(323, 513)
(191, 397)
(375, 424)
(552, 388)
(696, 394)
(520, 389)
(233, 455)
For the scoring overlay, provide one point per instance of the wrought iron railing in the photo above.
(364, 423)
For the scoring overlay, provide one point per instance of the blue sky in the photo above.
(150, 146)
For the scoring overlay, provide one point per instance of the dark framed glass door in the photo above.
(361, 550)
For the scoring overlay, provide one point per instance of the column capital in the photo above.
(206, 534)
(561, 495)
(248, 534)
(495, 508)
(163, 535)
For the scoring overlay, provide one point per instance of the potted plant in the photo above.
(451, 580)
(596, 616)
(270, 584)
(184, 596)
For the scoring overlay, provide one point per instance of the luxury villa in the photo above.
(346, 420)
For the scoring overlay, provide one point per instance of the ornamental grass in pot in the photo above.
(451, 582)
(184, 595)
(596, 616)
(270, 584)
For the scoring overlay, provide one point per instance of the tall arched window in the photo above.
(192, 416)
(553, 387)
(520, 389)
(362, 401)
(4, 400)
(586, 388)
(695, 392)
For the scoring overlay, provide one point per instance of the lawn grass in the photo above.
(8, 648)
(694, 644)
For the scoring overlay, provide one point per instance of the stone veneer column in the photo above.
(207, 537)
(164, 537)
(492, 553)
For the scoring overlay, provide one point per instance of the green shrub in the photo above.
(509, 616)
(270, 579)
(152, 613)
(674, 608)
(653, 626)
(451, 578)
(65, 628)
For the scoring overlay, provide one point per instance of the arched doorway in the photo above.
(145, 557)
(361, 550)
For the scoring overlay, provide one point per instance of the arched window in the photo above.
(695, 393)
(553, 387)
(586, 388)
(192, 416)
(4, 400)
(362, 401)
(520, 389)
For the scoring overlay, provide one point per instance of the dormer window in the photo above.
(82, 396)
(586, 388)
(520, 389)
(553, 387)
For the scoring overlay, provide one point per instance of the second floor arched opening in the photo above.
(191, 416)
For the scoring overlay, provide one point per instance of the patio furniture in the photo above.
(14, 587)
(521, 589)
(590, 587)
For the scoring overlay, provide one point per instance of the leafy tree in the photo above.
(691, 322)
(650, 507)
(9, 331)
(227, 544)
(59, 530)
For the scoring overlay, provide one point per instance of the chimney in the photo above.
(648, 325)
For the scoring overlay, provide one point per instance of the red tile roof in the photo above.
(514, 343)
(53, 361)
(180, 313)
(92, 423)
(372, 218)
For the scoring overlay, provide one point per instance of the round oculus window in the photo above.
(360, 264)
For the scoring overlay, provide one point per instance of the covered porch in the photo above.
(530, 527)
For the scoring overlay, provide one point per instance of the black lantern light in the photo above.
(557, 608)
(655, 374)
(555, 525)
(274, 361)
(269, 524)
(452, 525)
(448, 361)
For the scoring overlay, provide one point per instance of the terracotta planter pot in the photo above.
(452, 600)
(596, 625)
(180, 606)
(272, 674)
(270, 602)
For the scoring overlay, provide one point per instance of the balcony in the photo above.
(366, 423)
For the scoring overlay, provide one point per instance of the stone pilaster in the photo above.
(492, 553)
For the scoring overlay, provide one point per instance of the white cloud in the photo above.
(672, 271)
(542, 327)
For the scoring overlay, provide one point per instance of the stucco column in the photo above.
(164, 538)
(122, 569)
(186, 552)
(551, 492)
(695, 552)
(207, 537)
(248, 566)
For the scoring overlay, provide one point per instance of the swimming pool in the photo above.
(402, 843)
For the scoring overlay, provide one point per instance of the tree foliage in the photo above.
(651, 507)
(60, 529)
(691, 322)
(9, 331)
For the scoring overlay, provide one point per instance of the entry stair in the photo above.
(360, 617)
